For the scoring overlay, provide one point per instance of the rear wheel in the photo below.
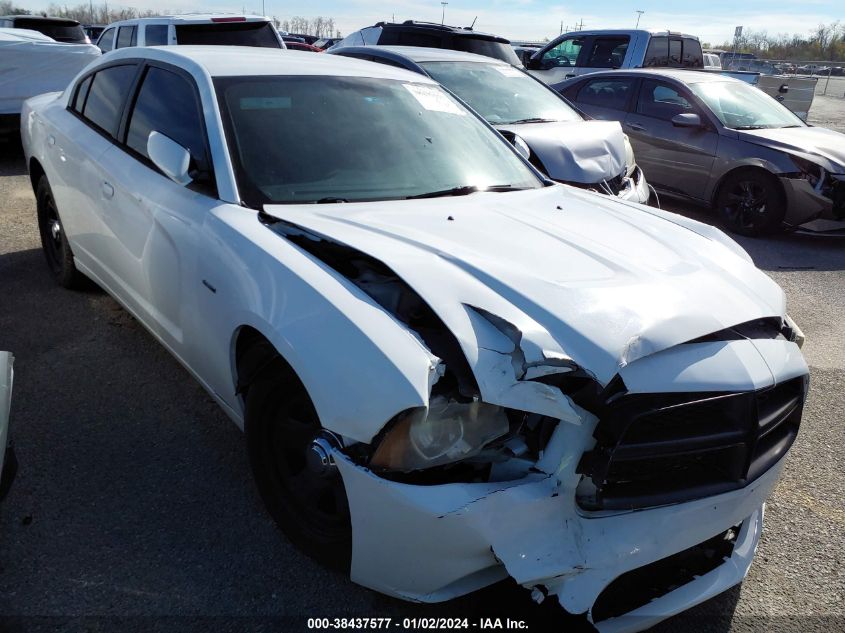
(751, 203)
(308, 503)
(53, 240)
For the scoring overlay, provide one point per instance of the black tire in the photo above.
(751, 203)
(280, 422)
(53, 241)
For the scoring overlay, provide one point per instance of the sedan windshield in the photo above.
(742, 107)
(301, 139)
(501, 94)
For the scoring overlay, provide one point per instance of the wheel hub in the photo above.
(55, 230)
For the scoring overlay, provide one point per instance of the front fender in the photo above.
(359, 365)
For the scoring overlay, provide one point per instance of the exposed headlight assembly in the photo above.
(795, 333)
(812, 173)
(445, 432)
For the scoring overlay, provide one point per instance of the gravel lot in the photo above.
(134, 509)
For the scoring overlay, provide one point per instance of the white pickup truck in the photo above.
(582, 52)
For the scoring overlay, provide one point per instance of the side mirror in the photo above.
(686, 119)
(170, 157)
(533, 62)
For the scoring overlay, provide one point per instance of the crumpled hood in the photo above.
(809, 141)
(586, 152)
(579, 274)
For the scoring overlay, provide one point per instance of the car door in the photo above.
(80, 179)
(558, 61)
(156, 223)
(673, 158)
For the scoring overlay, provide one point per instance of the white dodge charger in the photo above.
(448, 369)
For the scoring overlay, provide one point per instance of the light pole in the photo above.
(639, 15)
(443, 16)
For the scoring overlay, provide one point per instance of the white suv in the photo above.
(167, 30)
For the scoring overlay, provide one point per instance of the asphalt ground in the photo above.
(134, 509)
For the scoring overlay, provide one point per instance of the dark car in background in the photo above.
(60, 29)
(724, 143)
(430, 35)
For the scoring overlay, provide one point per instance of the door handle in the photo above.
(570, 75)
(108, 191)
(636, 126)
(51, 140)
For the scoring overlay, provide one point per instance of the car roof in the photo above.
(651, 32)
(679, 74)
(423, 54)
(44, 18)
(442, 28)
(195, 18)
(250, 61)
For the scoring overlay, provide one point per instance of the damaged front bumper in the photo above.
(818, 208)
(460, 537)
(635, 188)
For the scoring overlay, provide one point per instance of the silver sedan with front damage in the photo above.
(721, 142)
(544, 128)
(449, 370)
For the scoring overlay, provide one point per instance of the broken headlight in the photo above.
(794, 332)
(445, 432)
(812, 173)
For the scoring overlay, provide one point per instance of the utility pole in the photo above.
(263, 12)
(639, 15)
(443, 16)
(561, 27)
(581, 25)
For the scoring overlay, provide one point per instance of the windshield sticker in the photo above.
(508, 71)
(434, 99)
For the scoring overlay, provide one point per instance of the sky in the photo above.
(713, 21)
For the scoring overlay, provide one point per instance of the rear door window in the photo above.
(607, 52)
(606, 93)
(127, 36)
(154, 110)
(260, 34)
(155, 35)
(657, 53)
(106, 97)
(660, 100)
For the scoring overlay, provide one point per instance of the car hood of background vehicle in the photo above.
(606, 281)
(809, 141)
(586, 152)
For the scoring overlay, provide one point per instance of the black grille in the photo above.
(654, 449)
(640, 586)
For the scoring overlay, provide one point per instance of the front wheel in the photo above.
(309, 506)
(751, 203)
(53, 239)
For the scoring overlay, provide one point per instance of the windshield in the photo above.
(256, 33)
(742, 107)
(301, 139)
(501, 94)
